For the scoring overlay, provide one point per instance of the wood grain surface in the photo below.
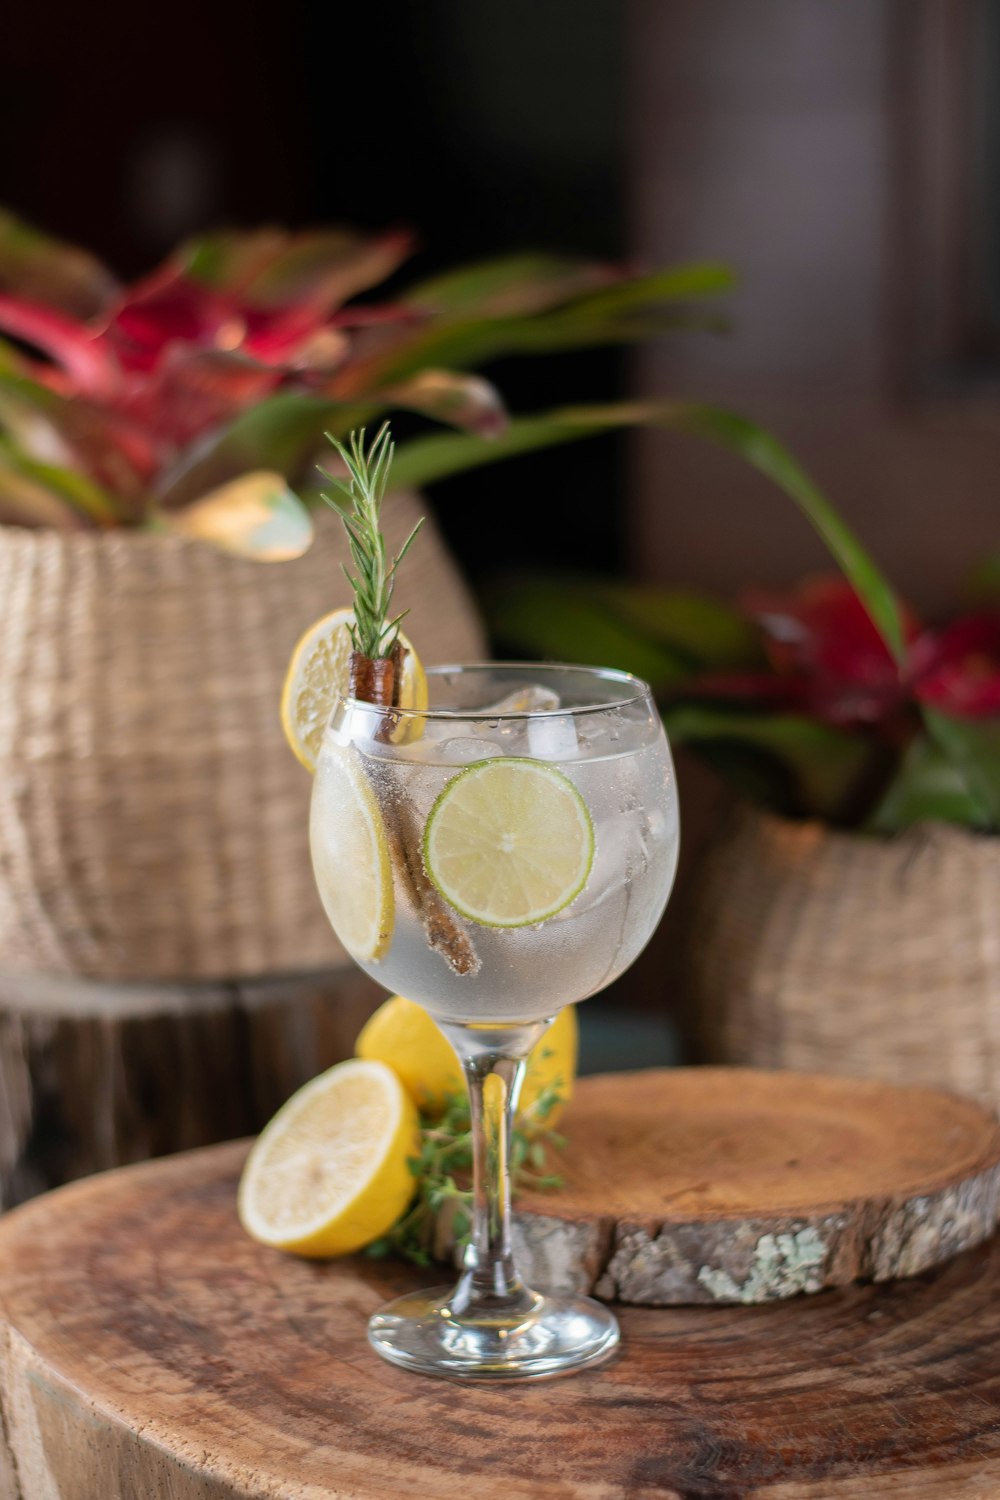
(91, 1073)
(731, 1185)
(150, 1351)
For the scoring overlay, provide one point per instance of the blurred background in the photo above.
(842, 155)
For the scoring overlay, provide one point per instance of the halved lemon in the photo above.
(350, 853)
(331, 1173)
(509, 842)
(403, 1035)
(318, 674)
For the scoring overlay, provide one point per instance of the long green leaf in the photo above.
(982, 587)
(928, 786)
(427, 459)
(24, 502)
(826, 765)
(763, 451)
(270, 267)
(473, 342)
(684, 283)
(455, 398)
(277, 434)
(973, 745)
(563, 625)
(48, 271)
(76, 489)
(691, 632)
(508, 286)
(714, 635)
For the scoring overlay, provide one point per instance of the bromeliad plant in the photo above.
(831, 701)
(195, 400)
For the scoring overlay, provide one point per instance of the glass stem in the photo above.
(494, 1062)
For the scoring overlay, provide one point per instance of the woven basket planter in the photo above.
(152, 819)
(831, 951)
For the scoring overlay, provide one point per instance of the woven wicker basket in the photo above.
(815, 949)
(152, 819)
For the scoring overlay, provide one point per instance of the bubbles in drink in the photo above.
(620, 766)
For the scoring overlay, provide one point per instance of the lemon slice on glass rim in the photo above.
(319, 672)
(509, 842)
(331, 1173)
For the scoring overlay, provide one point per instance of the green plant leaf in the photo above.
(452, 397)
(76, 489)
(427, 459)
(826, 765)
(276, 434)
(714, 635)
(12, 361)
(48, 271)
(764, 453)
(684, 283)
(25, 502)
(982, 587)
(973, 746)
(74, 435)
(689, 631)
(255, 516)
(508, 285)
(928, 786)
(272, 268)
(563, 625)
(530, 304)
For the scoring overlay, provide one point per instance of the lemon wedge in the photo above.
(509, 842)
(318, 674)
(402, 1035)
(331, 1173)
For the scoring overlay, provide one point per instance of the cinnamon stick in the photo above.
(377, 680)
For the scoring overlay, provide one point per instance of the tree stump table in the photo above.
(150, 1351)
(98, 1074)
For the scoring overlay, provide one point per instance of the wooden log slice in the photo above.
(96, 1075)
(149, 1349)
(731, 1185)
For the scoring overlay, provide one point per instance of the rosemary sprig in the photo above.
(444, 1164)
(359, 504)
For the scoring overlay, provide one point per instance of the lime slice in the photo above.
(318, 673)
(351, 856)
(509, 842)
(331, 1171)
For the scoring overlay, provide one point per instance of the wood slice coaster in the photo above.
(149, 1349)
(731, 1185)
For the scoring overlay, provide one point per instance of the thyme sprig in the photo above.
(359, 505)
(443, 1167)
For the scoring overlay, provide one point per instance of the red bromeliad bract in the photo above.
(829, 661)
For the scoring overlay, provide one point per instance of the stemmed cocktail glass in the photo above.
(518, 842)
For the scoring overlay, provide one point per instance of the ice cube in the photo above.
(553, 738)
(530, 699)
(462, 750)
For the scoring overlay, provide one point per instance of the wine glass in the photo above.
(502, 854)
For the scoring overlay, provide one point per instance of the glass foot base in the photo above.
(557, 1335)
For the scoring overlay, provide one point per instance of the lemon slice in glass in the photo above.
(330, 1172)
(351, 857)
(509, 842)
(318, 674)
